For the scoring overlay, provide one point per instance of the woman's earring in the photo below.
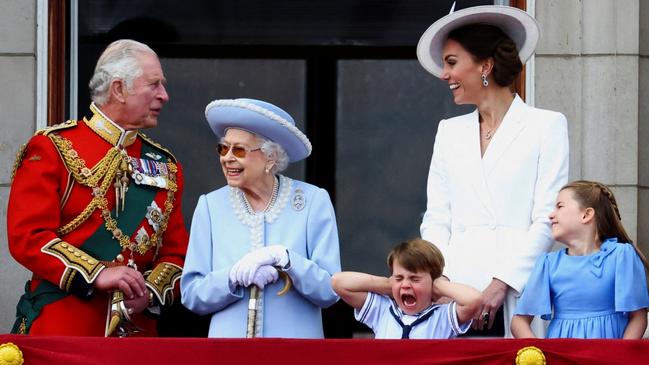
(485, 82)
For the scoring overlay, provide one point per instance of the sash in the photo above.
(100, 245)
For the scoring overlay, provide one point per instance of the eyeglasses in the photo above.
(237, 151)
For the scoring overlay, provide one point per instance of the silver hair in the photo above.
(272, 149)
(118, 61)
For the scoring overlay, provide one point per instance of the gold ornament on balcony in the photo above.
(10, 354)
(530, 356)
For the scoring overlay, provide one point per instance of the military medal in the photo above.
(154, 215)
(149, 172)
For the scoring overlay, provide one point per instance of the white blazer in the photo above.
(489, 215)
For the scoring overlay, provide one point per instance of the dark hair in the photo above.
(484, 41)
(418, 255)
(591, 194)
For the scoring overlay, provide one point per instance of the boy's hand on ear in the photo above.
(438, 296)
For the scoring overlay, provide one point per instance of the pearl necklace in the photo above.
(271, 201)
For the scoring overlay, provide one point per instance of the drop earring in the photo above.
(485, 82)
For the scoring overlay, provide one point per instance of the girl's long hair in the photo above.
(591, 194)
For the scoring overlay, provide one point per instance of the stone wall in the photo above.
(589, 66)
(17, 116)
(643, 128)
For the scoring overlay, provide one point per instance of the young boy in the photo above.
(402, 306)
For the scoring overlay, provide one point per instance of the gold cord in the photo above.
(105, 171)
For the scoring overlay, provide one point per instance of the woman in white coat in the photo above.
(495, 172)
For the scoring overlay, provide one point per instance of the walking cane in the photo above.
(252, 311)
(251, 331)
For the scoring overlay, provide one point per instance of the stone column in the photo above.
(587, 67)
(643, 130)
(17, 115)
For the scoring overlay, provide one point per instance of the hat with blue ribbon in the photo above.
(262, 118)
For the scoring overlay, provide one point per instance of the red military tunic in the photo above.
(63, 226)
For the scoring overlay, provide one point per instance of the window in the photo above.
(345, 70)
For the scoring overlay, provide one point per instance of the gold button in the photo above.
(77, 253)
(64, 245)
(92, 262)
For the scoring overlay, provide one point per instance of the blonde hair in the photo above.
(608, 221)
(418, 255)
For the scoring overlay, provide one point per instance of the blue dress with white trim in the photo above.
(224, 229)
(586, 296)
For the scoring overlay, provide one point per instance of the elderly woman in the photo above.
(263, 223)
(495, 172)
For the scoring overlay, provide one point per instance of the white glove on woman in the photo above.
(265, 275)
(243, 272)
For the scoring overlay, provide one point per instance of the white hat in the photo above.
(521, 27)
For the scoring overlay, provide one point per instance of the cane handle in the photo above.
(287, 283)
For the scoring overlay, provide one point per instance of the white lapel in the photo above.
(509, 129)
(474, 168)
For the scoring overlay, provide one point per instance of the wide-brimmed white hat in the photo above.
(261, 118)
(521, 27)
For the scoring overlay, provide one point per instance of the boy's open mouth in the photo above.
(408, 300)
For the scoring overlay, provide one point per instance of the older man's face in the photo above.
(147, 95)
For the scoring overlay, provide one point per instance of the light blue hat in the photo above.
(261, 118)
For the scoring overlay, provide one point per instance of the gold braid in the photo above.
(105, 171)
(18, 161)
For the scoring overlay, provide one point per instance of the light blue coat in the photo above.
(303, 221)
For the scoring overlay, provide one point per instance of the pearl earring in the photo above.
(485, 83)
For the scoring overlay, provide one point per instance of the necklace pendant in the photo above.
(488, 135)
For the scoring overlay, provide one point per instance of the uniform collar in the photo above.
(109, 130)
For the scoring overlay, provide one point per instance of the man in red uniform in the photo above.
(94, 210)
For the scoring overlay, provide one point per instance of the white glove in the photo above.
(243, 272)
(265, 275)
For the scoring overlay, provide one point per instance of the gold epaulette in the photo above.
(19, 160)
(45, 131)
(157, 145)
(57, 127)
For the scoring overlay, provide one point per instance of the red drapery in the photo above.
(185, 351)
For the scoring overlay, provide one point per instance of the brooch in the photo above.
(299, 201)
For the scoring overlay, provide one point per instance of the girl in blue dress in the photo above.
(597, 286)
